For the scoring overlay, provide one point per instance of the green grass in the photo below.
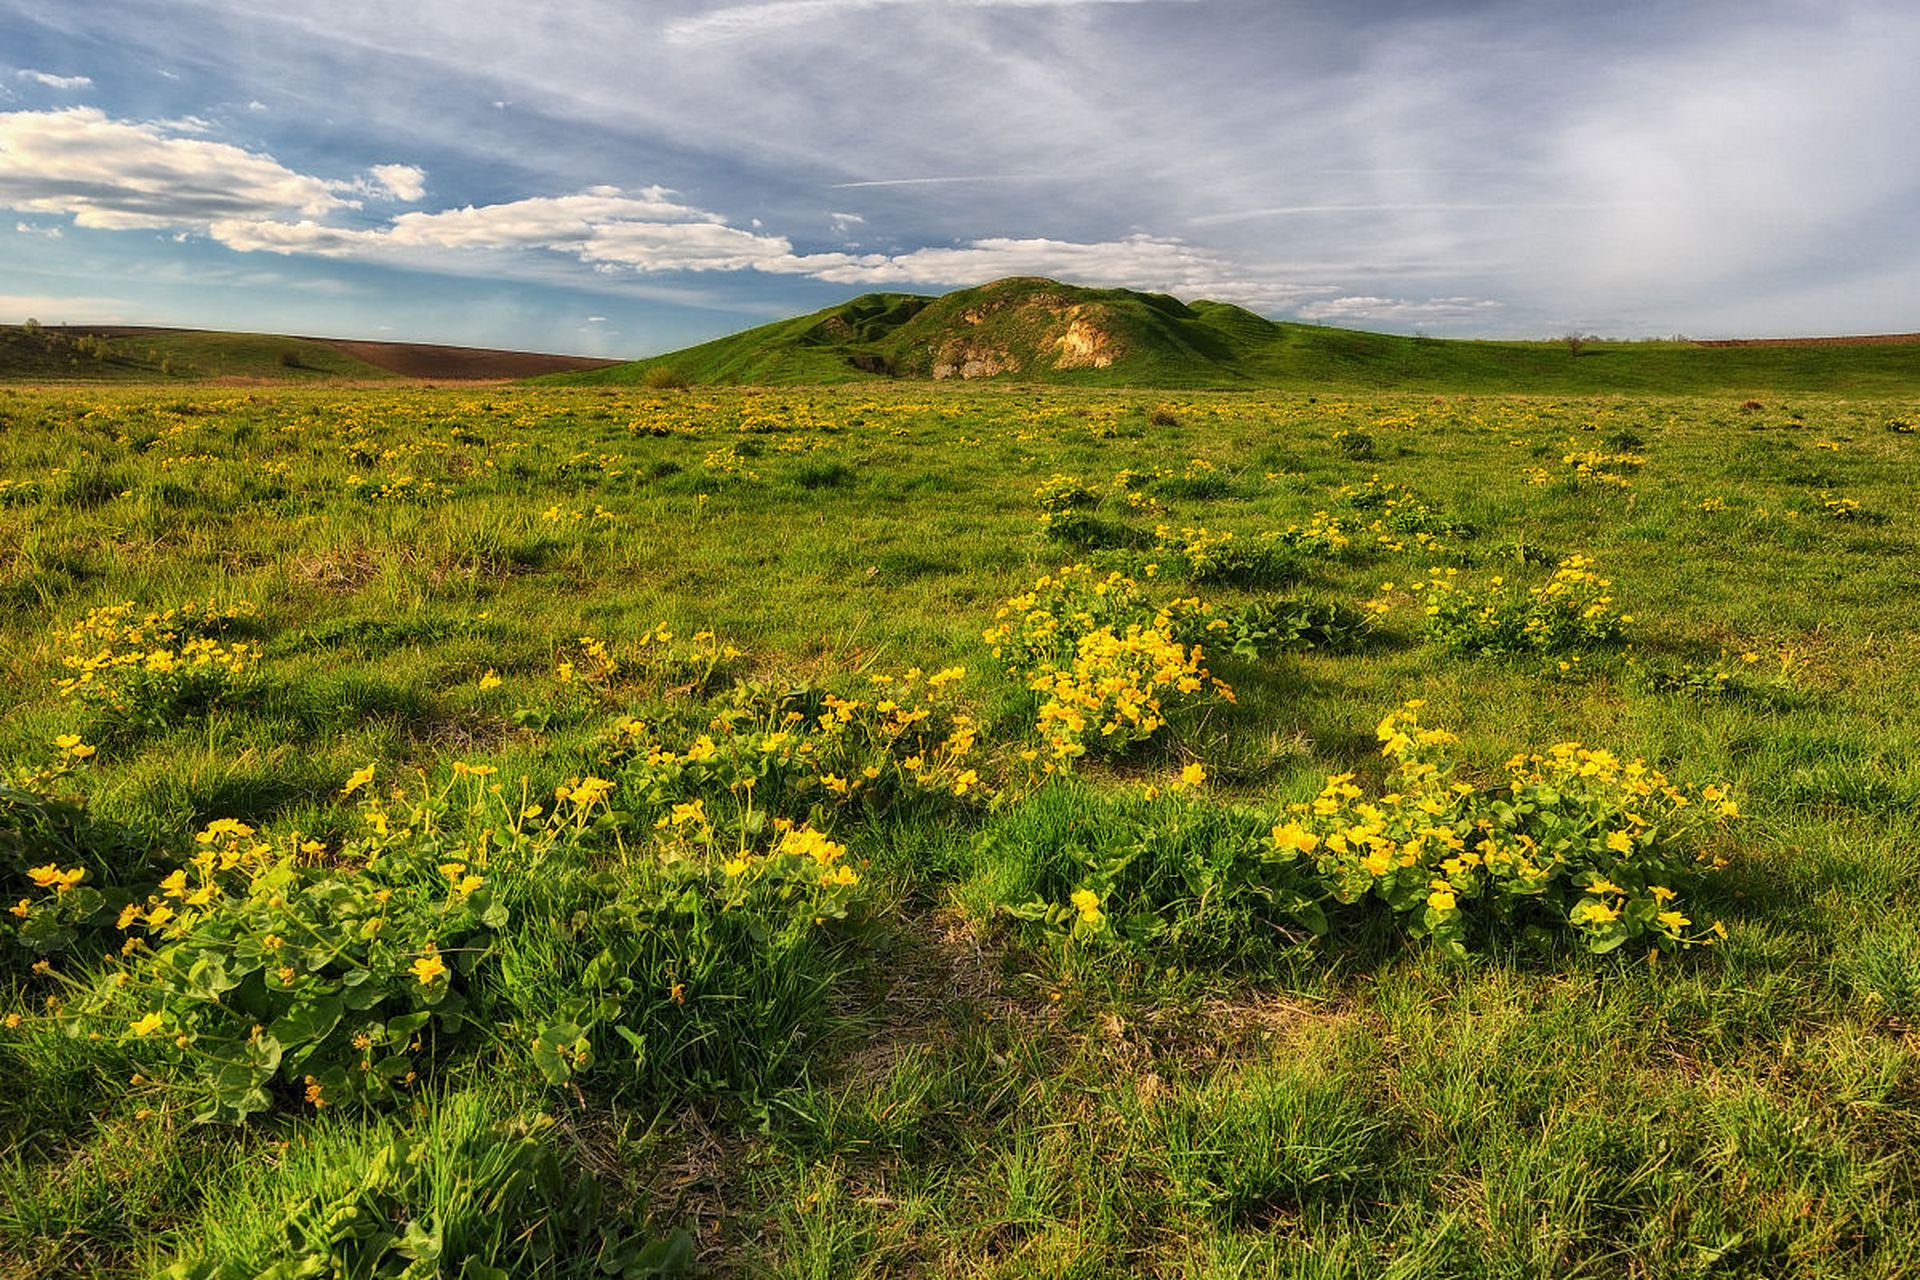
(1157, 341)
(178, 355)
(936, 1085)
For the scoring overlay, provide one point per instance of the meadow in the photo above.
(877, 831)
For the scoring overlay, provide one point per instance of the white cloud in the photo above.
(1136, 262)
(29, 229)
(402, 181)
(185, 124)
(1399, 310)
(842, 221)
(123, 174)
(52, 81)
(649, 232)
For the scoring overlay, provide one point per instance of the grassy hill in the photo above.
(1034, 330)
(136, 353)
(130, 354)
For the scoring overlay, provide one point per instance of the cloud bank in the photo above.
(121, 175)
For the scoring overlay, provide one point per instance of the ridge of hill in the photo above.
(1033, 330)
(139, 353)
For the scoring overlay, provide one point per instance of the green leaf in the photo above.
(208, 979)
(401, 1028)
(558, 1048)
(1310, 916)
(308, 1021)
(672, 1256)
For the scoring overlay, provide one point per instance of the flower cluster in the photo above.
(1205, 555)
(1107, 663)
(1401, 509)
(658, 658)
(1575, 838)
(801, 753)
(62, 871)
(1322, 535)
(145, 667)
(1574, 609)
(1603, 467)
(1059, 493)
(278, 966)
(729, 461)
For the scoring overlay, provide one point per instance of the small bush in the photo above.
(1203, 555)
(1171, 878)
(1323, 535)
(328, 979)
(1193, 486)
(1574, 609)
(823, 475)
(1265, 628)
(663, 378)
(1357, 445)
(1883, 968)
(296, 976)
(1572, 842)
(1575, 839)
(1108, 665)
(149, 671)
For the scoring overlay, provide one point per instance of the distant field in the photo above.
(890, 830)
(1858, 340)
(138, 353)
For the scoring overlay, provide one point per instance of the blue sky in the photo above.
(627, 176)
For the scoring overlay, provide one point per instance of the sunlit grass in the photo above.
(946, 1081)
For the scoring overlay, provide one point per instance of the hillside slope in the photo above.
(138, 353)
(1033, 330)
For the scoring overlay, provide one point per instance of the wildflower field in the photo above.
(603, 832)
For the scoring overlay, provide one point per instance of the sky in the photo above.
(624, 177)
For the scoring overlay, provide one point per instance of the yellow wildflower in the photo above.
(1590, 911)
(430, 968)
(589, 792)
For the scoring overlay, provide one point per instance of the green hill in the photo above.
(1034, 330)
(138, 353)
(130, 354)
